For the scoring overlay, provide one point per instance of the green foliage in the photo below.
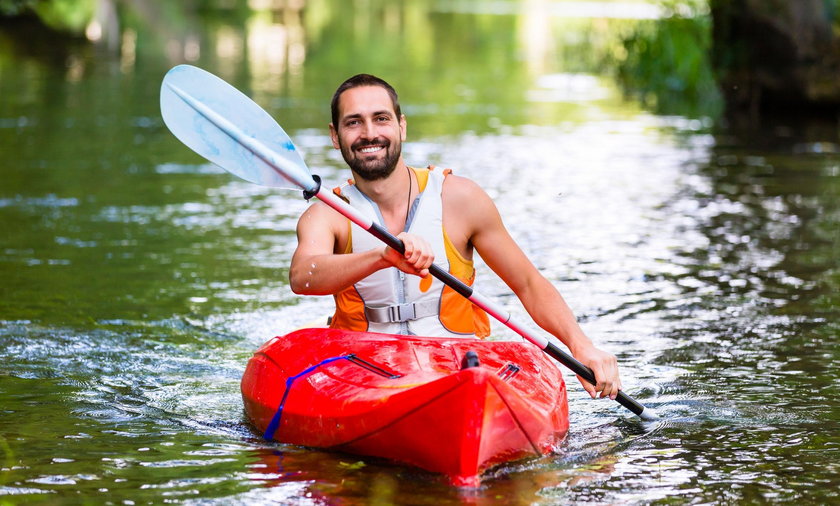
(66, 15)
(666, 61)
(14, 7)
(70, 16)
(686, 8)
(832, 11)
(11, 8)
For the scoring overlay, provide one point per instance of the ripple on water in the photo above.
(674, 257)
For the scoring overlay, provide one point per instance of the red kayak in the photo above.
(452, 406)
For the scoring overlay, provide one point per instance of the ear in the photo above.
(334, 136)
(403, 126)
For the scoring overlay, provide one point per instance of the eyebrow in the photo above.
(387, 112)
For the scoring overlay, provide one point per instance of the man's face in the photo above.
(368, 132)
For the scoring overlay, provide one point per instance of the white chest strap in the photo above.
(401, 312)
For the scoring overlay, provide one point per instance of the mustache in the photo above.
(372, 142)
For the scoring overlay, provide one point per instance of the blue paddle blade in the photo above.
(220, 123)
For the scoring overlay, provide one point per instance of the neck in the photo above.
(392, 194)
(388, 192)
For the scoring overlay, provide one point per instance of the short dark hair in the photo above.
(363, 80)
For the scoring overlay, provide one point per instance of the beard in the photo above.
(368, 167)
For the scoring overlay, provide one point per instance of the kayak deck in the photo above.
(409, 399)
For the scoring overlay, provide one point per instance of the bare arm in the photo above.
(319, 268)
(486, 232)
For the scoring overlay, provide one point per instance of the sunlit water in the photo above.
(137, 281)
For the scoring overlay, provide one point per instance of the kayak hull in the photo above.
(408, 399)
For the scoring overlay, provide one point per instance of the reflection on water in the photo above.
(137, 280)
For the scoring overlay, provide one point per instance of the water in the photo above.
(137, 279)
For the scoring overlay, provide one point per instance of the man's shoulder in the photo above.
(458, 187)
(320, 212)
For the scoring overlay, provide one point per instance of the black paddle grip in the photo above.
(587, 374)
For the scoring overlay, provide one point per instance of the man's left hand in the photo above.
(605, 367)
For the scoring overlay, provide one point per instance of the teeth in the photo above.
(370, 149)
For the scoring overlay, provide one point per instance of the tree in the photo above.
(772, 53)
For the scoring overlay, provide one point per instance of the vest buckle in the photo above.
(401, 312)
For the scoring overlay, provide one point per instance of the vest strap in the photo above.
(401, 312)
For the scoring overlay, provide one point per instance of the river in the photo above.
(138, 279)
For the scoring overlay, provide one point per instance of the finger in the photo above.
(421, 247)
(599, 381)
(613, 387)
(616, 390)
(408, 248)
(422, 260)
(425, 261)
(600, 384)
(590, 389)
(411, 267)
(614, 380)
(419, 255)
(430, 256)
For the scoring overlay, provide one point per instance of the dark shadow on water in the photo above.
(799, 131)
(30, 39)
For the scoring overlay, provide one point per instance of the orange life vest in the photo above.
(393, 302)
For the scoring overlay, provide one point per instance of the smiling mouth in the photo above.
(371, 149)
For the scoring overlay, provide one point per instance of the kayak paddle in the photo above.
(223, 125)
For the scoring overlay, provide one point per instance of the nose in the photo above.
(369, 130)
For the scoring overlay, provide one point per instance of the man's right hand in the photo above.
(418, 256)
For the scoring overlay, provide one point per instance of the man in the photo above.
(438, 216)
